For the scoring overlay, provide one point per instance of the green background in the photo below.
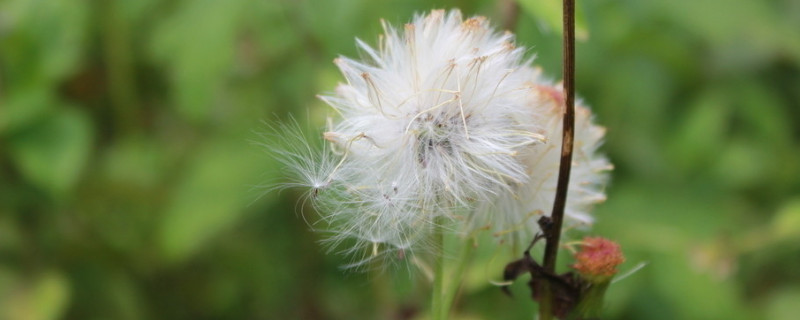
(132, 173)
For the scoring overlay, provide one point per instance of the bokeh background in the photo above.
(132, 171)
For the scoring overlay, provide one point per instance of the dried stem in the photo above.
(551, 249)
(557, 217)
(509, 9)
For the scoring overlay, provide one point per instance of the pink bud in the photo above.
(598, 258)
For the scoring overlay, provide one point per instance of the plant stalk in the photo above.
(568, 132)
(455, 277)
(437, 295)
(510, 13)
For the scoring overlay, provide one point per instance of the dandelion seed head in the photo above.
(515, 214)
(445, 117)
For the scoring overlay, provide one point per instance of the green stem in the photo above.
(119, 64)
(383, 294)
(546, 304)
(451, 288)
(437, 295)
(591, 304)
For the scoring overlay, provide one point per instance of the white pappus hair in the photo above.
(445, 118)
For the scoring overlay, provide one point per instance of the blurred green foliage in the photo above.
(129, 176)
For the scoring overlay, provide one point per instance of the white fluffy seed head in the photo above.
(514, 215)
(445, 118)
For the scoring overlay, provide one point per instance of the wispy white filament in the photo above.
(445, 118)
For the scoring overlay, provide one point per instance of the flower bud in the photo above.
(597, 259)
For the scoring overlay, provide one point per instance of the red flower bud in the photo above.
(597, 259)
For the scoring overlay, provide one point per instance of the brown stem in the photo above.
(510, 14)
(557, 217)
(551, 248)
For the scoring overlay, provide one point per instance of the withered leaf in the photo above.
(566, 288)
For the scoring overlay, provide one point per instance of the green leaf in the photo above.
(701, 134)
(741, 163)
(11, 236)
(211, 197)
(45, 38)
(719, 25)
(52, 153)
(134, 161)
(548, 14)
(783, 305)
(197, 47)
(786, 223)
(44, 297)
(41, 43)
(682, 284)
(762, 110)
(21, 107)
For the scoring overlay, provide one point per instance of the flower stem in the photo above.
(592, 302)
(557, 216)
(510, 14)
(451, 287)
(447, 278)
(437, 295)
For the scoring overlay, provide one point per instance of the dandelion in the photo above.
(445, 124)
(432, 122)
